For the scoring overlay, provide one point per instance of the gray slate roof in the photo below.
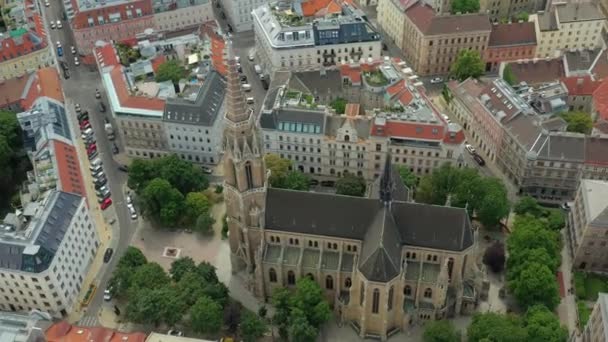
(287, 114)
(202, 111)
(51, 228)
(382, 229)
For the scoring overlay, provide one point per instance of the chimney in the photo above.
(579, 82)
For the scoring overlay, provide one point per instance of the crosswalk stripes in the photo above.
(88, 321)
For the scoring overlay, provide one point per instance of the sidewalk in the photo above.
(567, 309)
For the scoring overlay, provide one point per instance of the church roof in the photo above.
(381, 254)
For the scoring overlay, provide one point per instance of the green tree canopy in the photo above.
(130, 261)
(310, 299)
(465, 6)
(181, 174)
(496, 327)
(150, 275)
(351, 185)
(508, 75)
(529, 233)
(467, 64)
(580, 122)
(196, 204)
(170, 70)
(408, 178)
(162, 202)
(206, 316)
(440, 331)
(544, 326)
(300, 329)
(281, 176)
(252, 328)
(528, 205)
(517, 261)
(536, 284)
(204, 223)
(339, 105)
(14, 163)
(155, 306)
(133, 257)
(297, 180)
(180, 267)
(495, 205)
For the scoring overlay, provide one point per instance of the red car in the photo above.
(84, 124)
(106, 203)
(92, 148)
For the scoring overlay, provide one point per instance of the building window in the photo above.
(272, 274)
(291, 278)
(428, 293)
(376, 301)
(329, 282)
(390, 298)
(407, 290)
(361, 294)
(348, 283)
(249, 175)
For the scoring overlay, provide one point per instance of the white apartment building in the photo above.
(24, 327)
(596, 328)
(46, 250)
(391, 17)
(238, 13)
(192, 123)
(287, 39)
(177, 15)
(569, 26)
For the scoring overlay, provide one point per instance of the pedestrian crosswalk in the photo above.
(88, 321)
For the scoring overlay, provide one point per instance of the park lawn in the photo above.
(583, 313)
(588, 285)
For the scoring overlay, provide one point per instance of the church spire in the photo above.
(386, 183)
(236, 107)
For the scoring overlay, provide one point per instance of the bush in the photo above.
(579, 285)
(225, 227)
(494, 257)
(219, 189)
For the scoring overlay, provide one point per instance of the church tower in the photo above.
(244, 174)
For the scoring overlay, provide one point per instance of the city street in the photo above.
(80, 88)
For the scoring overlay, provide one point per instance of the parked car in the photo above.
(436, 80)
(174, 332)
(77, 107)
(123, 168)
(66, 74)
(73, 49)
(99, 175)
(76, 61)
(97, 94)
(114, 149)
(264, 84)
(107, 295)
(59, 24)
(106, 203)
(565, 206)
(104, 197)
(207, 170)
(47, 4)
(129, 199)
(479, 160)
(469, 148)
(328, 183)
(100, 185)
(84, 124)
(93, 155)
(52, 25)
(108, 254)
(102, 107)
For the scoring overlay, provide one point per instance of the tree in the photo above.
(529, 233)
(555, 219)
(351, 185)
(494, 257)
(216, 291)
(195, 205)
(140, 173)
(150, 276)
(495, 205)
(204, 223)
(207, 272)
(522, 16)
(232, 316)
(170, 71)
(279, 168)
(181, 174)
(310, 299)
(190, 288)
(465, 6)
(579, 122)
(132, 258)
(162, 202)
(517, 261)
(408, 178)
(14, 163)
(467, 64)
(180, 267)
(339, 105)
(435, 188)
(536, 284)
(296, 180)
(300, 330)
(496, 327)
(252, 328)
(146, 306)
(544, 326)
(206, 316)
(280, 301)
(508, 75)
(528, 205)
(440, 331)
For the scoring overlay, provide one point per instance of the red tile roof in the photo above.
(209, 30)
(600, 69)
(580, 86)
(454, 137)
(81, 18)
(157, 61)
(406, 129)
(515, 34)
(50, 84)
(600, 100)
(26, 43)
(106, 55)
(70, 176)
(320, 7)
(65, 332)
(131, 101)
(353, 73)
(12, 90)
(423, 16)
(352, 109)
(602, 126)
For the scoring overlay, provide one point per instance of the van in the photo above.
(258, 69)
(95, 162)
(247, 87)
(250, 100)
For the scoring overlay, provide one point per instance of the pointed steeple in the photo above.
(236, 106)
(386, 183)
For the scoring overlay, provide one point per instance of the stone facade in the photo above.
(587, 221)
(596, 328)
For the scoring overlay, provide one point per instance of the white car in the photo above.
(47, 4)
(59, 24)
(446, 118)
(73, 49)
(58, 43)
(53, 25)
(133, 216)
(436, 80)
(107, 296)
(470, 148)
(76, 62)
(129, 199)
(238, 60)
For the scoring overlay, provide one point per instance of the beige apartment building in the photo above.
(391, 18)
(506, 9)
(569, 26)
(587, 222)
(178, 15)
(431, 43)
(596, 329)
